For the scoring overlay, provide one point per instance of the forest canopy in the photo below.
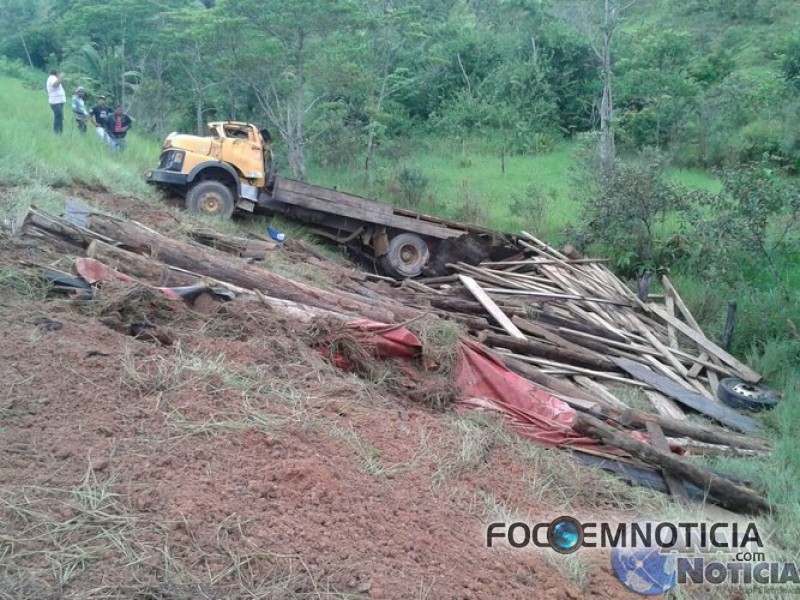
(709, 83)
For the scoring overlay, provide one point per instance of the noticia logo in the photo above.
(566, 534)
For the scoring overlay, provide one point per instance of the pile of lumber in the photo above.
(560, 320)
(575, 321)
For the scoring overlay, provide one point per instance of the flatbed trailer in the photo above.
(405, 243)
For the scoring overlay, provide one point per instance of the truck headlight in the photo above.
(172, 160)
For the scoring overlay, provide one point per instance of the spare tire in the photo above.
(407, 255)
(748, 396)
(212, 198)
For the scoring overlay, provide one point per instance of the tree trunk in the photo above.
(607, 149)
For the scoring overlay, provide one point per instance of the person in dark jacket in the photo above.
(117, 126)
(100, 114)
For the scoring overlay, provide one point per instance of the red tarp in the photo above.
(482, 382)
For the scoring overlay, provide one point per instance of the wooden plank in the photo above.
(542, 261)
(664, 350)
(371, 213)
(703, 342)
(658, 440)
(665, 406)
(544, 296)
(491, 307)
(687, 397)
(669, 302)
(602, 391)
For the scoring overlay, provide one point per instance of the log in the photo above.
(140, 267)
(579, 370)
(535, 329)
(727, 494)
(659, 441)
(468, 306)
(700, 432)
(216, 264)
(237, 246)
(60, 233)
(556, 353)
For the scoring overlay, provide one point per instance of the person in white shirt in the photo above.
(57, 98)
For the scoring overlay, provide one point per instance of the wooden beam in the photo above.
(659, 441)
(601, 391)
(665, 406)
(491, 307)
(703, 342)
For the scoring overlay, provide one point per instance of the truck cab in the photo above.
(218, 173)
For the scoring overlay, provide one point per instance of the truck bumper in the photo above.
(162, 176)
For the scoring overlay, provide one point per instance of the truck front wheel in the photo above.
(408, 253)
(210, 198)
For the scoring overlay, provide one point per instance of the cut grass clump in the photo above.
(423, 379)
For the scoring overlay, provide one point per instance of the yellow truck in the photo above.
(232, 170)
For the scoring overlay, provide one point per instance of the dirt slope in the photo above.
(236, 463)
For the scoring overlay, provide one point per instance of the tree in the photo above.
(598, 22)
(292, 45)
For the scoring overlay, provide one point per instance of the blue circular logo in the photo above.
(565, 535)
(645, 571)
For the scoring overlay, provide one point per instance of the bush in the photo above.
(627, 215)
(409, 186)
(749, 227)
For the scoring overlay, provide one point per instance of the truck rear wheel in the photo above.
(406, 257)
(210, 198)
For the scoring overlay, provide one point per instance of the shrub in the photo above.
(627, 215)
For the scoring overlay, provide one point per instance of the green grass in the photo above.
(458, 176)
(31, 154)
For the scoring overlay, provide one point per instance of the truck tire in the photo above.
(746, 396)
(408, 253)
(210, 198)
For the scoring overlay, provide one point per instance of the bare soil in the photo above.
(237, 463)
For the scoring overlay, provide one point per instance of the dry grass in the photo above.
(84, 543)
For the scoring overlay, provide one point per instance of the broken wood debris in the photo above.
(564, 322)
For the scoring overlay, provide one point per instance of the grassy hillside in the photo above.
(36, 160)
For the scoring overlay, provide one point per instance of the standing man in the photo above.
(100, 114)
(117, 125)
(79, 109)
(56, 98)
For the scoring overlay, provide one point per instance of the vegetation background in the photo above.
(485, 110)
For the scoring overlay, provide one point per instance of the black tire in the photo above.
(408, 253)
(747, 396)
(210, 198)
